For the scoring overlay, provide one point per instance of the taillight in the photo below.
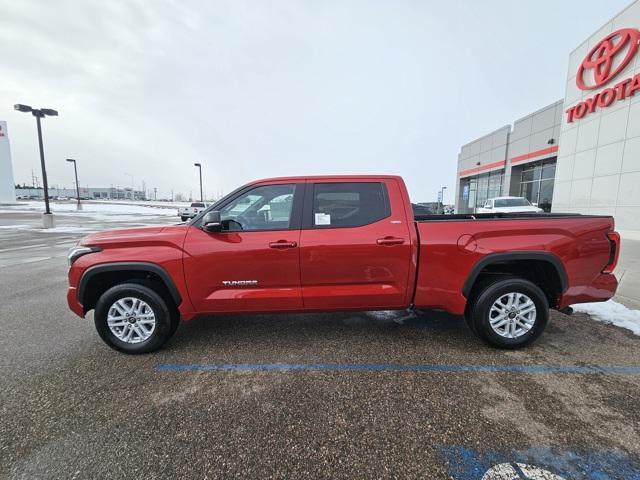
(614, 253)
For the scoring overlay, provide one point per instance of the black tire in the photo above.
(158, 288)
(479, 311)
(184, 219)
(166, 317)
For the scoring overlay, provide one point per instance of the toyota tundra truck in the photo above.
(340, 243)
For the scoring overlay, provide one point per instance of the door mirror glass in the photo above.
(211, 222)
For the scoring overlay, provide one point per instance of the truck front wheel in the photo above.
(509, 313)
(133, 318)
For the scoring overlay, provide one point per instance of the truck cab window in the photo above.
(349, 204)
(262, 208)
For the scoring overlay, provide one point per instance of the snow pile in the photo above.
(612, 313)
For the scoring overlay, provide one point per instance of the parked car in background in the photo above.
(337, 243)
(185, 213)
(63, 198)
(509, 205)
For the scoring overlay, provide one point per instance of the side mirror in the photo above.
(211, 222)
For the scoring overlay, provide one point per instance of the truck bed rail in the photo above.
(495, 216)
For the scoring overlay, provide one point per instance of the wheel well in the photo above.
(540, 272)
(100, 282)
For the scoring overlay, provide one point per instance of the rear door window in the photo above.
(339, 205)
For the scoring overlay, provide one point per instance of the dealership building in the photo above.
(7, 194)
(580, 154)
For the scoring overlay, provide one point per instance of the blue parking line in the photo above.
(466, 463)
(393, 367)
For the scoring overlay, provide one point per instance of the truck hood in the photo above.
(132, 235)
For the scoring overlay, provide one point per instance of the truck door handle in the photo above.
(282, 244)
(390, 241)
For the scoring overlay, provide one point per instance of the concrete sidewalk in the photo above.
(628, 271)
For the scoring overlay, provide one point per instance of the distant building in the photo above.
(91, 193)
(7, 193)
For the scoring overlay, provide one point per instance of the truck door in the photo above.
(355, 247)
(254, 263)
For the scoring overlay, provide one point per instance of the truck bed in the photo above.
(453, 248)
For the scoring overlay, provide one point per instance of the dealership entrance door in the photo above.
(536, 182)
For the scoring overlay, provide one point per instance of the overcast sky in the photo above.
(255, 89)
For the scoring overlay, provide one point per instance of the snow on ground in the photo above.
(612, 313)
(63, 229)
(105, 208)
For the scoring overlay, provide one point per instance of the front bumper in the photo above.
(72, 300)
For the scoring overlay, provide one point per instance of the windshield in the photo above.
(512, 202)
(199, 205)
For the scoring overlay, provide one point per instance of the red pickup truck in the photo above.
(336, 243)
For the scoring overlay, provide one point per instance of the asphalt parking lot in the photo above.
(352, 395)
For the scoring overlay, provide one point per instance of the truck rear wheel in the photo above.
(133, 318)
(184, 219)
(509, 313)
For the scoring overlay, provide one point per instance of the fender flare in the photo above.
(492, 258)
(129, 266)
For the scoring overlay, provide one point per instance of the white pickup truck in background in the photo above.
(509, 205)
(186, 213)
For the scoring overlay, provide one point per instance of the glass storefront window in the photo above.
(546, 195)
(549, 171)
(529, 190)
(536, 184)
(480, 189)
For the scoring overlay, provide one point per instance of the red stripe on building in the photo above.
(481, 168)
(502, 163)
(537, 153)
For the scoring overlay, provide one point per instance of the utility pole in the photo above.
(155, 193)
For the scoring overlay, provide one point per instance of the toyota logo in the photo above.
(606, 59)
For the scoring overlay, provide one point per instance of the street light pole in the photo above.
(200, 169)
(443, 189)
(45, 182)
(75, 169)
(47, 219)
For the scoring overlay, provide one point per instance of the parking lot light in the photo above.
(39, 113)
(200, 169)
(75, 169)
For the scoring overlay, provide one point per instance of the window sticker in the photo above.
(323, 219)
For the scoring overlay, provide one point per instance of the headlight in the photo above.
(77, 252)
